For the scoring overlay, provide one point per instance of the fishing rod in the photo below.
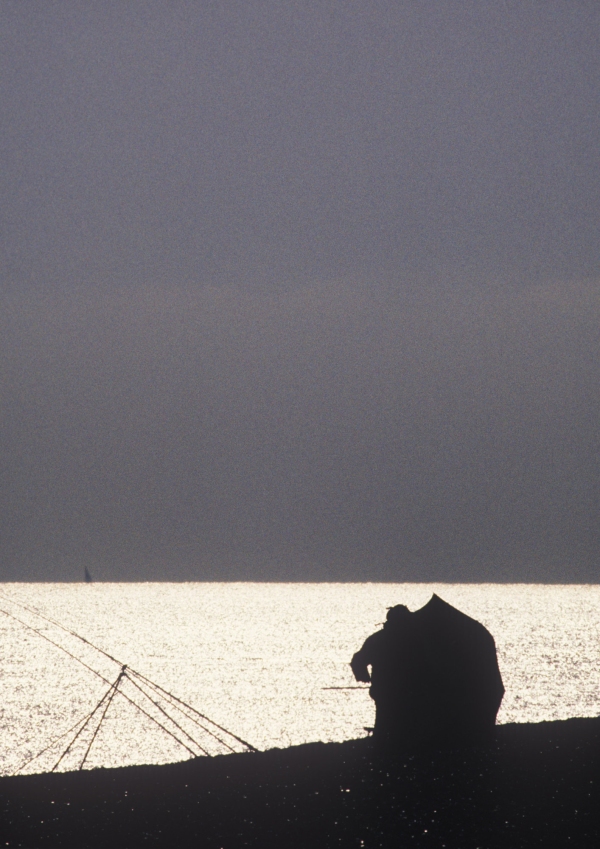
(56, 740)
(162, 710)
(59, 625)
(137, 674)
(190, 707)
(108, 697)
(83, 722)
(173, 701)
(103, 717)
(106, 681)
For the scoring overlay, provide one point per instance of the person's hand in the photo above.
(361, 673)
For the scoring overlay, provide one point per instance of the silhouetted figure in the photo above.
(434, 676)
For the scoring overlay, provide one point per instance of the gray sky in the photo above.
(300, 291)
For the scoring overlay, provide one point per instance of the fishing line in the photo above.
(197, 712)
(193, 719)
(170, 718)
(57, 645)
(137, 674)
(62, 627)
(106, 681)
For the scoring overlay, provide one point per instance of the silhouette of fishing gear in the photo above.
(151, 691)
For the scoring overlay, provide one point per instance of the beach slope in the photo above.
(538, 785)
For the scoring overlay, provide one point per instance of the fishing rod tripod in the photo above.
(172, 710)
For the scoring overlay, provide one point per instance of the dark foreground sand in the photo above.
(537, 786)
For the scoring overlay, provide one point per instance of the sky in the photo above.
(303, 291)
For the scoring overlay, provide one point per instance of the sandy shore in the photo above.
(537, 786)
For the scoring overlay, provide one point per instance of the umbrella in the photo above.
(456, 682)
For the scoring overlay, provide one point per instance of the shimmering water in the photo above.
(258, 659)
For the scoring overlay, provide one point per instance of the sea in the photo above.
(262, 663)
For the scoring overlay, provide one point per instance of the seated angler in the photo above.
(434, 677)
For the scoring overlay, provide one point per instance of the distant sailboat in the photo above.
(88, 577)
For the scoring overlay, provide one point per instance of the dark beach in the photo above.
(536, 786)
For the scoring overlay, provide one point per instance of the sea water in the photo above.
(269, 662)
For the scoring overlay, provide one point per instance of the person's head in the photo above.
(396, 615)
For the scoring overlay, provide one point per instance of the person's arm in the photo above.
(359, 667)
(362, 659)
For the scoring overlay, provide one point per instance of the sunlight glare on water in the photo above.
(258, 659)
